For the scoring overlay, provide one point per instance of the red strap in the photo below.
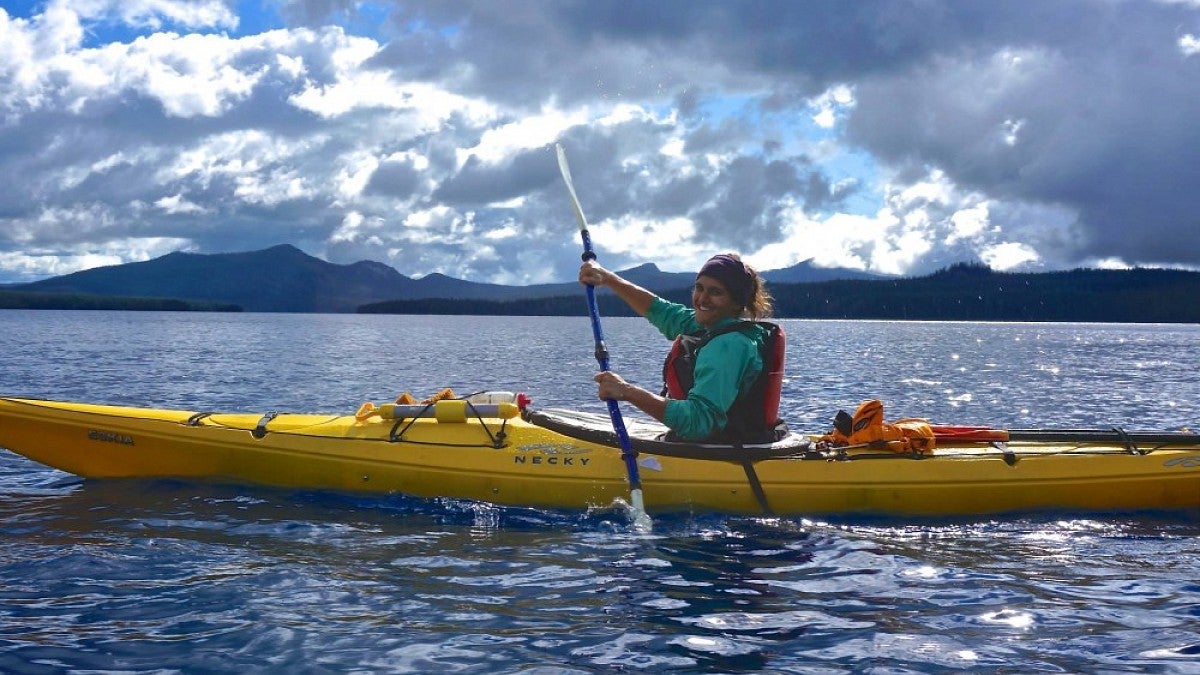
(969, 434)
(670, 377)
(774, 378)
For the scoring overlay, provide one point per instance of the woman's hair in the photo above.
(761, 303)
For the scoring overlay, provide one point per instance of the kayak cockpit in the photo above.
(651, 437)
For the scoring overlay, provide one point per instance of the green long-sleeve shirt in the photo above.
(726, 366)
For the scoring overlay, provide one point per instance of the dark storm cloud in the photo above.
(735, 204)
(398, 178)
(737, 201)
(591, 49)
(1099, 102)
(479, 182)
(317, 12)
(1101, 119)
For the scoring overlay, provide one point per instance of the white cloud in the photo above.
(431, 219)
(32, 266)
(177, 204)
(831, 105)
(25, 47)
(918, 220)
(969, 222)
(534, 131)
(1012, 129)
(834, 241)
(508, 231)
(1189, 44)
(670, 242)
(155, 14)
(673, 148)
(80, 221)
(272, 187)
(291, 66)
(1008, 255)
(189, 75)
(35, 263)
(901, 152)
(351, 86)
(249, 158)
(55, 31)
(354, 227)
(355, 171)
(1111, 264)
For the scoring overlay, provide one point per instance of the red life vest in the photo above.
(754, 415)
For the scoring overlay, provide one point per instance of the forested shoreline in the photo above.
(32, 300)
(959, 293)
(964, 292)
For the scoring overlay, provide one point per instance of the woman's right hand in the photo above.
(591, 274)
(638, 298)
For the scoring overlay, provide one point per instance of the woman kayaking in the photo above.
(724, 371)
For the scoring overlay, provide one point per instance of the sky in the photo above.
(894, 136)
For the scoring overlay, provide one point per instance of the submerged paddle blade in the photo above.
(641, 519)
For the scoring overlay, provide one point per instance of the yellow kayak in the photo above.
(513, 455)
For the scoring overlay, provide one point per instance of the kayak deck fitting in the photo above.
(568, 459)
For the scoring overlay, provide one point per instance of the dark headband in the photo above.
(732, 274)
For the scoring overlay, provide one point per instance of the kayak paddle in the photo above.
(640, 517)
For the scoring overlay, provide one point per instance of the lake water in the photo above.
(103, 576)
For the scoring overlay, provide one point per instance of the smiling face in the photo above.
(712, 302)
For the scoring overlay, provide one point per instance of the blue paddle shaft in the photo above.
(614, 411)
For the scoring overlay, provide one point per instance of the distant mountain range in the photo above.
(285, 279)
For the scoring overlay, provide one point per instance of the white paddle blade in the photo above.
(565, 170)
(641, 519)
